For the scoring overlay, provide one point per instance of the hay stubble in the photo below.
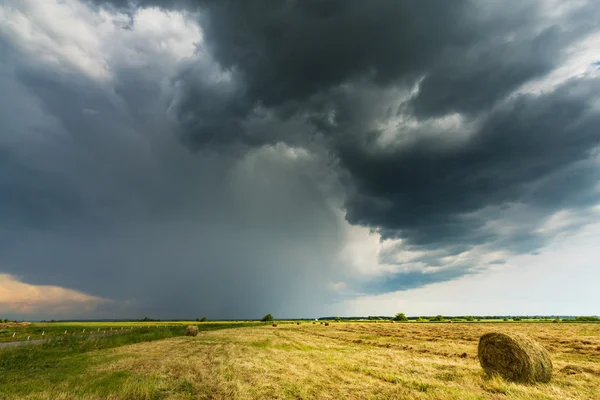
(357, 361)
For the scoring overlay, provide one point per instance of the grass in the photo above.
(343, 361)
(61, 363)
(21, 331)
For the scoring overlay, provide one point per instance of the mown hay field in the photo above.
(314, 361)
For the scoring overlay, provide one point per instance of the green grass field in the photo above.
(30, 370)
(21, 331)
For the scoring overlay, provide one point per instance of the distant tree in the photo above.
(146, 319)
(203, 319)
(400, 317)
(469, 318)
(267, 318)
(588, 319)
(197, 319)
(437, 318)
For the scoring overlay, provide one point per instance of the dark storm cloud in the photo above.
(466, 83)
(291, 50)
(527, 151)
(174, 234)
(469, 54)
(98, 194)
(530, 150)
(245, 222)
(414, 279)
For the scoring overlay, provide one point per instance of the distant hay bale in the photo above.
(393, 322)
(449, 321)
(274, 324)
(515, 357)
(191, 331)
(314, 322)
(297, 323)
(326, 323)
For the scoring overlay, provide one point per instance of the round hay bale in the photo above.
(514, 357)
(297, 323)
(274, 324)
(191, 331)
(449, 321)
(314, 322)
(326, 323)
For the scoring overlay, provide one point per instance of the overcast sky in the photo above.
(228, 159)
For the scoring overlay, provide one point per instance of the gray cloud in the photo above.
(522, 152)
(112, 204)
(212, 184)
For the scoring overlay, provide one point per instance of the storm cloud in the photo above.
(229, 158)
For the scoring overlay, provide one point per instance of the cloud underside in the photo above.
(18, 298)
(231, 157)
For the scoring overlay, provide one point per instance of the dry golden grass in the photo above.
(356, 361)
(342, 361)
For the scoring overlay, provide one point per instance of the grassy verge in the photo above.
(30, 369)
(10, 332)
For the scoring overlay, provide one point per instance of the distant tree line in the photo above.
(400, 317)
(588, 319)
